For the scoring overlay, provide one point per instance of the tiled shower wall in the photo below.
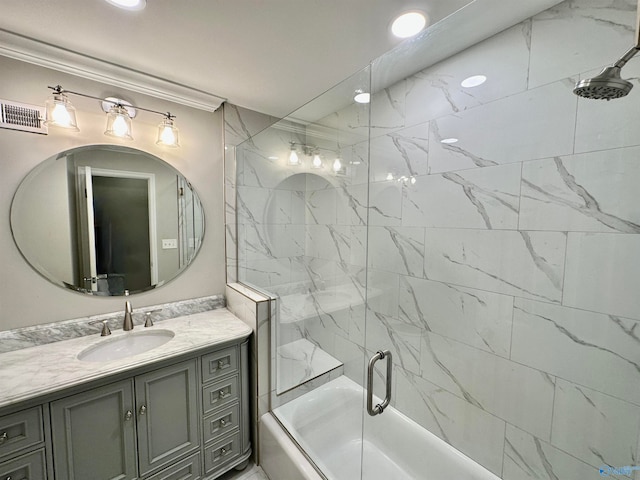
(511, 266)
(503, 269)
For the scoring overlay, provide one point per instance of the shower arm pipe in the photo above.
(633, 50)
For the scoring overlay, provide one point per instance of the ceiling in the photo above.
(271, 56)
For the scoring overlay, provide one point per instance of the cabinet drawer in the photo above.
(221, 423)
(20, 430)
(220, 394)
(220, 363)
(220, 453)
(26, 467)
(187, 469)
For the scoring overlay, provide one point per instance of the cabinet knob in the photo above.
(221, 394)
(143, 410)
(3, 437)
(222, 422)
(223, 451)
(128, 415)
(220, 363)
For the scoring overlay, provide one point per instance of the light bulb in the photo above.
(168, 133)
(317, 161)
(337, 165)
(120, 126)
(293, 157)
(60, 115)
(389, 176)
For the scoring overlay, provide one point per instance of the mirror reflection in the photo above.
(107, 220)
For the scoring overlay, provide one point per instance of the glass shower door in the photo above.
(302, 187)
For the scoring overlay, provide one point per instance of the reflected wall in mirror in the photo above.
(107, 220)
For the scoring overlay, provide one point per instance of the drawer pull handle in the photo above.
(4, 437)
(221, 394)
(128, 415)
(143, 410)
(222, 422)
(221, 364)
(223, 451)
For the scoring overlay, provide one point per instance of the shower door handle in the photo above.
(380, 354)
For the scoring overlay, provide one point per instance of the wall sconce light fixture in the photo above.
(60, 113)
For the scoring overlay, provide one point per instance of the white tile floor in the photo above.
(252, 472)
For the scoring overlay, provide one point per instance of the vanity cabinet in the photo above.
(182, 420)
(95, 433)
(22, 442)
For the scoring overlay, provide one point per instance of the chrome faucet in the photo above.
(127, 323)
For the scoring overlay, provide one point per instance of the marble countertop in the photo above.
(35, 371)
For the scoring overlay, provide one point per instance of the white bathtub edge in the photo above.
(279, 456)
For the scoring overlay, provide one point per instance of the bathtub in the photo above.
(327, 424)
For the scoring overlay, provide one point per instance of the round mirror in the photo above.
(107, 220)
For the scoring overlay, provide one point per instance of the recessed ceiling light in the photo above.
(473, 81)
(362, 97)
(408, 24)
(129, 4)
(449, 141)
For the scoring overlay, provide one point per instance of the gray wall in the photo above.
(28, 299)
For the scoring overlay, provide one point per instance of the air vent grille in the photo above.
(22, 116)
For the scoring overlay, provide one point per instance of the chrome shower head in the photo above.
(605, 86)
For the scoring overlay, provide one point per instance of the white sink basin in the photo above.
(125, 345)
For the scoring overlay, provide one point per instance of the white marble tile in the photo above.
(262, 205)
(269, 241)
(397, 249)
(605, 125)
(477, 198)
(353, 356)
(266, 273)
(524, 264)
(592, 192)
(528, 457)
(401, 339)
(471, 430)
(301, 361)
(404, 152)
(385, 204)
(594, 427)
(474, 317)
(579, 346)
(602, 273)
(579, 35)
(321, 207)
(351, 205)
(328, 242)
(520, 395)
(503, 59)
(388, 109)
(538, 123)
(241, 123)
(382, 292)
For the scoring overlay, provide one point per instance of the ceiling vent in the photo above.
(22, 116)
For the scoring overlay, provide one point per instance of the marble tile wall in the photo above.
(505, 265)
(500, 270)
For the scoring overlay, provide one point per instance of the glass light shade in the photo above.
(337, 165)
(168, 133)
(293, 157)
(129, 4)
(317, 161)
(60, 112)
(118, 123)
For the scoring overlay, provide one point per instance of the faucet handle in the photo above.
(147, 315)
(105, 327)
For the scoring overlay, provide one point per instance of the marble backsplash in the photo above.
(79, 327)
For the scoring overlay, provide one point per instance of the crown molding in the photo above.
(29, 50)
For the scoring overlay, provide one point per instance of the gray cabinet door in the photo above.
(167, 409)
(94, 434)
